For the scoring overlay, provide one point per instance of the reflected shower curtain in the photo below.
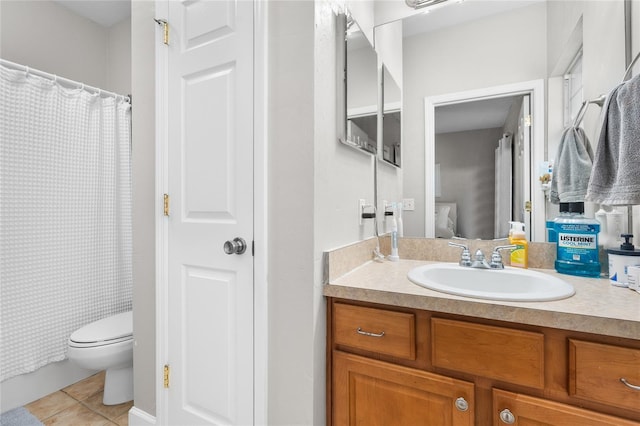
(65, 216)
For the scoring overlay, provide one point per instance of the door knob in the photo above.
(237, 246)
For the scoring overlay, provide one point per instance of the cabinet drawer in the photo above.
(596, 372)
(500, 353)
(377, 330)
(524, 409)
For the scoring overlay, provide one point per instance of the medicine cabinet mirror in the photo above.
(391, 119)
(466, 47)
(361, 89)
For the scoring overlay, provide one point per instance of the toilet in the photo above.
(107, 344)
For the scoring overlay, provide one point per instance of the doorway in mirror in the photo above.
(463, 131)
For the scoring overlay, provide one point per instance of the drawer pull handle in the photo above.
(507, 417)
(366, 333)
(634, 387)
(462, 404)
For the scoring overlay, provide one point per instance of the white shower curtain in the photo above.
(65, 216)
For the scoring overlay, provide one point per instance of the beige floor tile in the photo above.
(87, 387)
(76, 415)
(50, 405)
(111, 412)
(122, 420)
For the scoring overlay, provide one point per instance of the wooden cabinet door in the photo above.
(375, 393)
(522, 410)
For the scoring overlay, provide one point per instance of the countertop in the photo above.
(597, 307)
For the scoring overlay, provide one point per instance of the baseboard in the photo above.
(21, 390)
(137, 417)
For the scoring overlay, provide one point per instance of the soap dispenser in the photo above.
(520, 254)
(621, 259)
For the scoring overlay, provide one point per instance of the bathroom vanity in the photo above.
(399, 354)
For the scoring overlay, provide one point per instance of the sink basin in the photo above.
(510, 284)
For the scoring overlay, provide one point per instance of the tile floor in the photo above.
(80, 404)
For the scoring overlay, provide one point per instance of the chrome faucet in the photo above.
(480, 261)
(465, 257)
(496, 258)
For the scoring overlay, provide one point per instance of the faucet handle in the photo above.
(465, 257)
(496, 258)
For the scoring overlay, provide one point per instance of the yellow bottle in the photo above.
(520, 254)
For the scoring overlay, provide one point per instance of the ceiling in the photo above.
(457, 12)
(103, 12)
(475, 115)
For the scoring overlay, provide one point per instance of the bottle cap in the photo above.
(627, 244)
(576, 207)
(626, 248)
(518, 229)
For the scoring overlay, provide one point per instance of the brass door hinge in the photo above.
(166, 204)
(165, 29)
(167, 371)
(527, 206)
(527, 121)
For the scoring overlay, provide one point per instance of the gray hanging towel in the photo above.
(572, 167)
(616, 169)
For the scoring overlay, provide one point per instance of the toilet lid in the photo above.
(115, 328)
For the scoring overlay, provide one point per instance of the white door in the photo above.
(210, 293)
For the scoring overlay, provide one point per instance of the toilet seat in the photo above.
(107, 331)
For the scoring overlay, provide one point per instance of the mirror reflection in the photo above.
(479, 148)
(361, 90)
(475, 45)
(391, 119)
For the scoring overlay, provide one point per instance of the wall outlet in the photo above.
(408, 204)
(361, 204)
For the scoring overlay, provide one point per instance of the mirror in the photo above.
(471, 47)
(391, 119)
(361, 90)
(486, 147)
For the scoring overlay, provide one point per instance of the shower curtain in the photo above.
(65, 216)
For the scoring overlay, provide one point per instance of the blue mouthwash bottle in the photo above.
(577, 244)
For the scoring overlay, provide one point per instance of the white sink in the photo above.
(511, 284)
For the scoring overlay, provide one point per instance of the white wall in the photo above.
(118, 66)
(44, 35)
(143, 44)
(500, 49)
(291, 213)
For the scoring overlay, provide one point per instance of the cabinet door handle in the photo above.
(634, 387)
(366, 333)
(462, 404)
(507, 417)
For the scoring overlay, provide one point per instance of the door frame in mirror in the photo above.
(536, 154)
